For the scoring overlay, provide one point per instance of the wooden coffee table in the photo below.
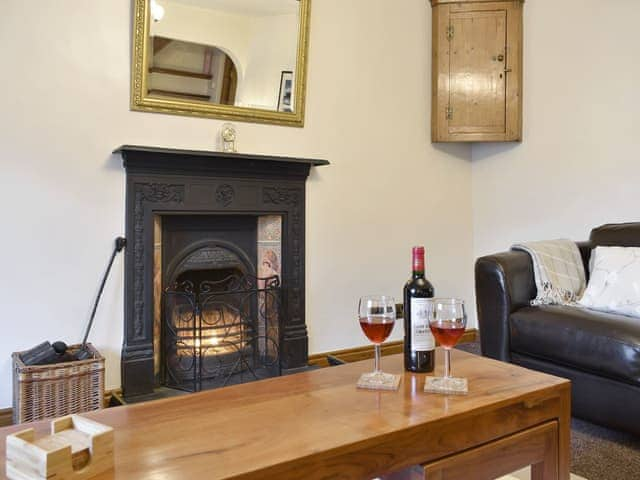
(317, 425)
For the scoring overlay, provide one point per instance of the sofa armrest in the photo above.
(504, 283)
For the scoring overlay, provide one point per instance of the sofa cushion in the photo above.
(615, 281)
(616, 234)
(601, 343)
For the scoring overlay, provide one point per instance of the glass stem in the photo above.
(447, 363)
(376, 364)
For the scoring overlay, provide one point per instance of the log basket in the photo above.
(56, 390)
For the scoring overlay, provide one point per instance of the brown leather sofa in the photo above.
(598, 352)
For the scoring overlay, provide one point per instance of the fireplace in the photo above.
(220, 333)
(214, 269)
(218, 278)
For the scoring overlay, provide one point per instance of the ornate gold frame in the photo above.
(140, 101)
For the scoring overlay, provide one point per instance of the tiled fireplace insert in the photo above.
(214, 241)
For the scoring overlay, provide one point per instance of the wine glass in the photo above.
(448, 321)
(377, 315)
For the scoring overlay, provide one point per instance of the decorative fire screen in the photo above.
(221, 332)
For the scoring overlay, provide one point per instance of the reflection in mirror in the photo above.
(240, 53)
(195, 72)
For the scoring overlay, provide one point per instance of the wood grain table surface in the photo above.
(317, 425)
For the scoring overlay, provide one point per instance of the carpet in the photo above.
(597, 453)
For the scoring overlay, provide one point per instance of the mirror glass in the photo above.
(239, 53)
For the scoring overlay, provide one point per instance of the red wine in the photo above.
(377, 329)
(447, 332)
(419, 344)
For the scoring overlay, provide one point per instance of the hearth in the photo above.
(214, 270)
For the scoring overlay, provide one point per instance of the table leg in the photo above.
(557, 460)
(564, 436)
(547, 469)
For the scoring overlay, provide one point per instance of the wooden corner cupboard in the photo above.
(477, 71)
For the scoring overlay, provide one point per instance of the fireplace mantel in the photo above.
(162, 181)
(141, 159)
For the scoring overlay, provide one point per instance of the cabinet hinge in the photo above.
(450, 31)
(449, 112)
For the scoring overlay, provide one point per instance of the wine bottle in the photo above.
(419, 344)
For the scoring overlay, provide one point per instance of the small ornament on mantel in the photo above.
(228, 134)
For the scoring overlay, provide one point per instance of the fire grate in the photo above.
(221, 332)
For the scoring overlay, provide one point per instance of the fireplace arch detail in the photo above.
(209, 255)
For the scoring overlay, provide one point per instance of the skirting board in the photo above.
(366, 352)
(6, 417)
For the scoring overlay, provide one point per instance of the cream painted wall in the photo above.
(578, 166)
(64, 109)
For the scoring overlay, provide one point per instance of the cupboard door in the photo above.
(477, 71)
(477, 96)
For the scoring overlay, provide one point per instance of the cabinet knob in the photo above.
(501, 58)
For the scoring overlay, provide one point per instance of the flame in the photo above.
(212, 341)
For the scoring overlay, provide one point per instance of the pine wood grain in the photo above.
(478, 84)
(76, 449)
(317, 425)
(477, 71)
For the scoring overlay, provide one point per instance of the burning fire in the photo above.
(220, 332)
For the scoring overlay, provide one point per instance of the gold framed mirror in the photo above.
(243, 60)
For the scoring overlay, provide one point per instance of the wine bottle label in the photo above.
(421, 337)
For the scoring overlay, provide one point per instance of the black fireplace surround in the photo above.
(161, 181)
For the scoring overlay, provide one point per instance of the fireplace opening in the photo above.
(220, 315)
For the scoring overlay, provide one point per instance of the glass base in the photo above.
(379, 381)
(447, 386)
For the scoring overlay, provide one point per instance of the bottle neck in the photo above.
(418, 262)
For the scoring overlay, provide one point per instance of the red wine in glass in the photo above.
(377, 315)
(448, 332)
(447, 323)
(377, 329)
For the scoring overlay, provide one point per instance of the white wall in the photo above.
(62, 192)
(579, 163)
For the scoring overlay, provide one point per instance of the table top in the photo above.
(258, 429)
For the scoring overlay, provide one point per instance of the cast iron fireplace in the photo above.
(214, 269)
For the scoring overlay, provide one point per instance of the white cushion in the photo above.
(614, 285)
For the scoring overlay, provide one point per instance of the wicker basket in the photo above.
(49, 391)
